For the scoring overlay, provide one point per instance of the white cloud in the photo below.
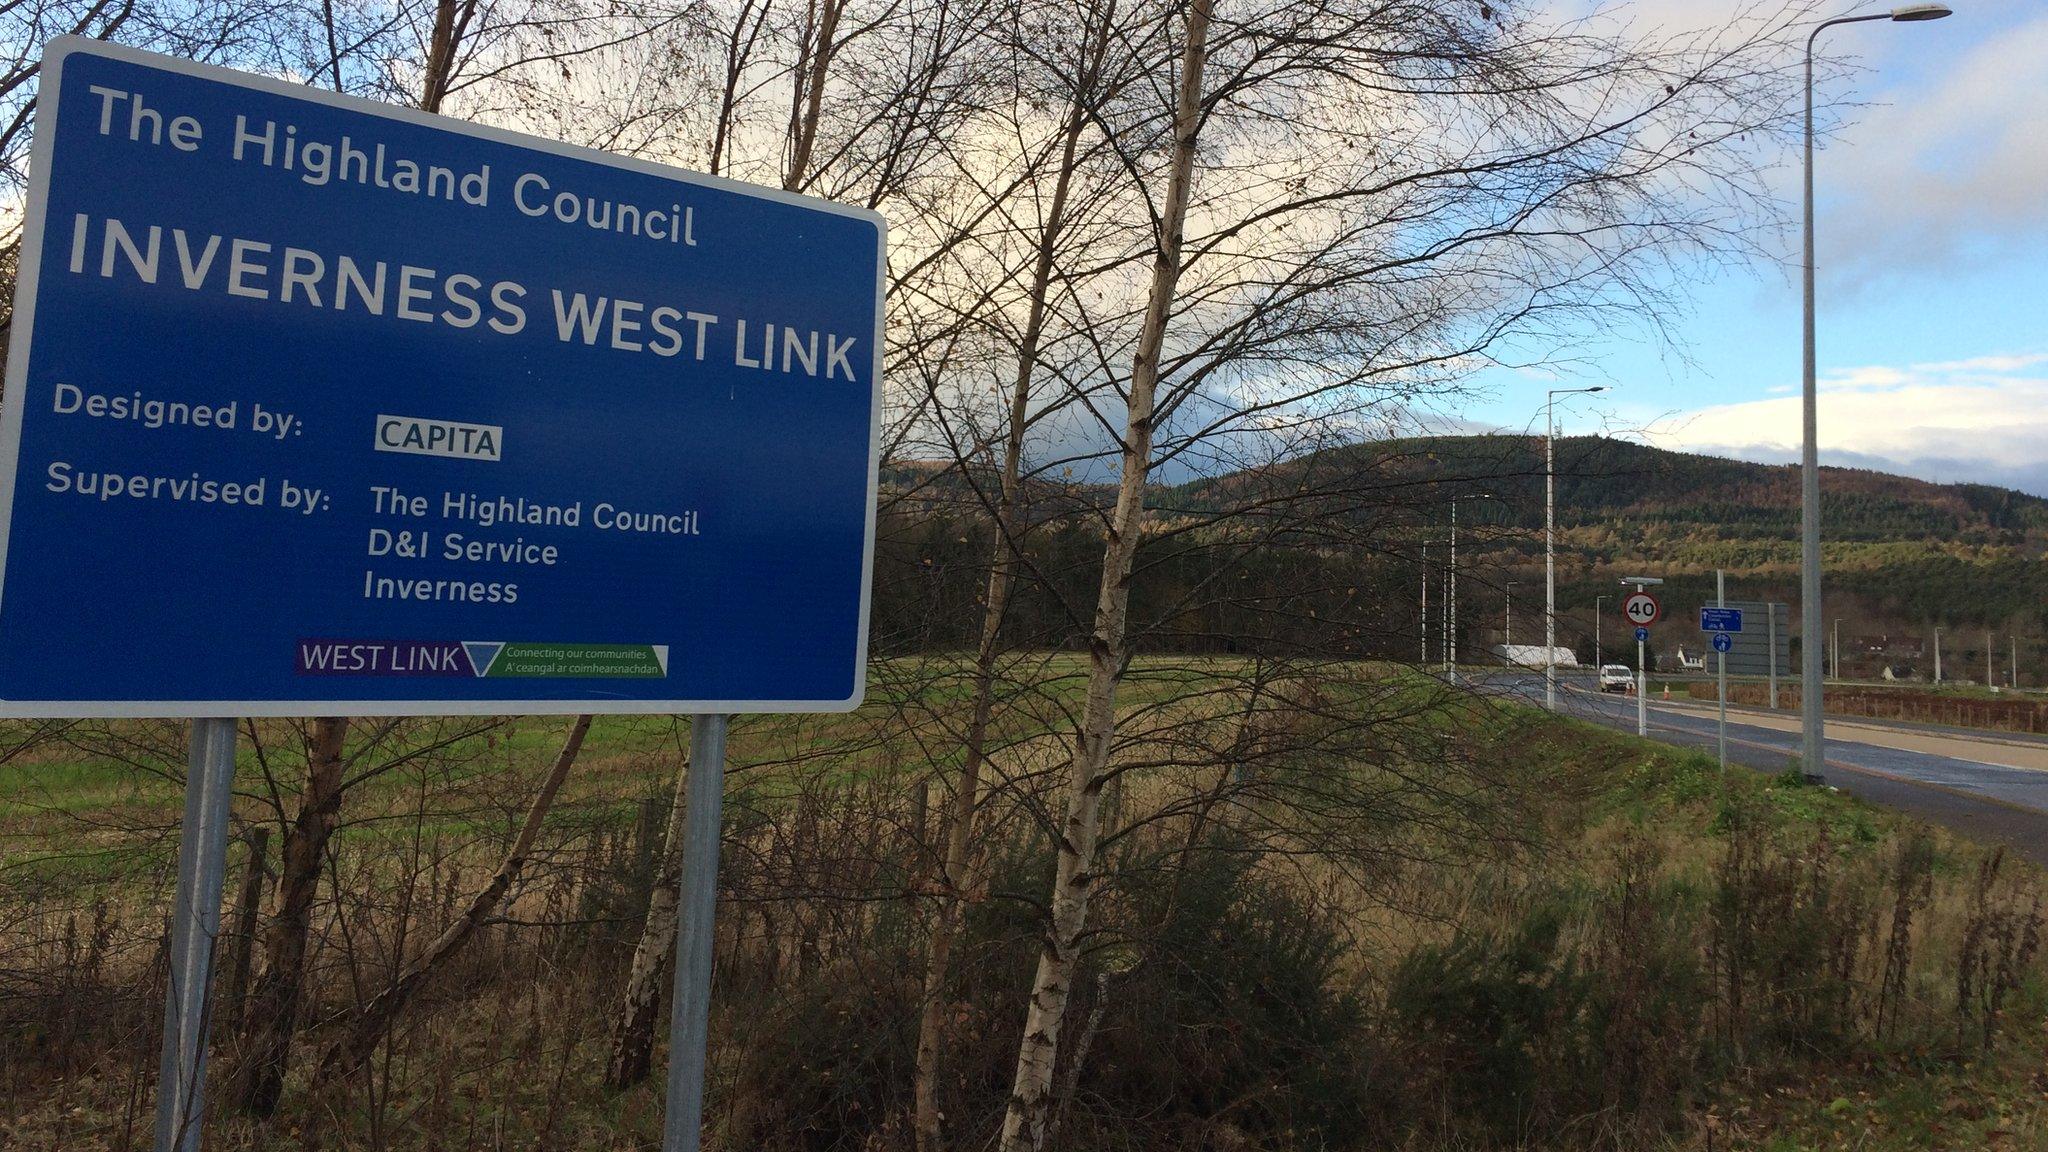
(1984, 419)
(1939, 156)
(1944, 167)
(1949, 167)
(1988, 363)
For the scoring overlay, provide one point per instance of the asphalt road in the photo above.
(1962, 786)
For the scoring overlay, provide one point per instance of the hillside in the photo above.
(1624, 483)
(1903, 556)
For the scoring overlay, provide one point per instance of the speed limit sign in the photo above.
(1642, 609)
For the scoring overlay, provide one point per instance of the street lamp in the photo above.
(1596, 632)
(1451, 592)
(1508, 632)
(1425, 603)
(1810, 748)
(1550, 543)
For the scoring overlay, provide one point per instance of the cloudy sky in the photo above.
(1933, 278)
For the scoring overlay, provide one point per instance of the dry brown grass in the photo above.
(822, 917)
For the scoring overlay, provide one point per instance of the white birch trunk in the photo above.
(1025, 1121)
(1001, 581)
(632, 1055)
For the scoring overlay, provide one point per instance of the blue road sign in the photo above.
(1721, 620)
(1642, 634)
(1723, 641)
(324, 406)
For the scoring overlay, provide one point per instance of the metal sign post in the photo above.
(1643, 610)
(690, 1011)
(1642, 685)
(1721, 646)
(1725, 624)
(1722, 643)
(195, 925)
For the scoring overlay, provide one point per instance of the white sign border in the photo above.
(13, 405)
(1654, 602)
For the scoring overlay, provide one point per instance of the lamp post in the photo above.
(1810, 748)
(1508, 630)
(1596, 634)
(1451, 593)
(1550, 541)
(1771, 644)
(1425, 604)
(1451, 603)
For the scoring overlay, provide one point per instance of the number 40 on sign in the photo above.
(1642, 609)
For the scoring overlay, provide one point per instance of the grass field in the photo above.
(1648, 955)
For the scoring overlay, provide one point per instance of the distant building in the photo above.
(1691, 661)
(1531, 655)
(1899, 673)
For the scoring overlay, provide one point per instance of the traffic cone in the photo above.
(1667, 691)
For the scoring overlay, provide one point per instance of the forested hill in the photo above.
(1645, 492)
(1902, 556)
(1900, 553)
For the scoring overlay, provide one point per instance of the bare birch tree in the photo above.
(1024, 1125)
(468, 42)
(1353, 204)
(870, 88)
(369, 1024)
(271, 1020)
(1003, 501)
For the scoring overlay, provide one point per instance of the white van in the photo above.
(1617, 678)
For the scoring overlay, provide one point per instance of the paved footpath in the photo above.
(1991, 786)
(1970, 745)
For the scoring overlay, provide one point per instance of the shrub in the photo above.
(1481, 1015)
(829, 1063)
(1235, 1022)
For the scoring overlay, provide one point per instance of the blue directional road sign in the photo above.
(322, 406)
(1721, 620)
(1642, 634)
(1723, 641)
